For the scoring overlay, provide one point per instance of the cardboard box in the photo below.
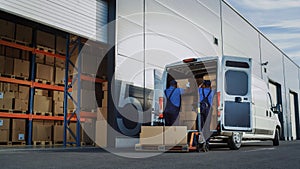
(44, 72)
(102, 113)
(59, 75)
(20, 104)
(23, 92)
(41, 132)
(2, 64)
(6, 103)
(191, 115)
(40, 58)
(10, 87)
(21, 68)
(58, 96)
(58, 133)
(101, 133)
(60, 63)
(25, 55)
(24, 33)
(49, 60)
(152, 135)
(4, 135)
(45, 39)
(42, 104)
(18, 135)
(58, 107)
(19, 124)
(105, 99)
(187, 100)
(9, 66)
(175, 135)
(186, 107)
(61, 45)
(7, 29)
(4, 124)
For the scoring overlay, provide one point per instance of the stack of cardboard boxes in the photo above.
(18, 130)
(41, 131)
(4, 129)
(101, 123)
(187, 114)
(42, 101)
(163, 135)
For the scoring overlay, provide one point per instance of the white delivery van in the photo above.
(242, 107)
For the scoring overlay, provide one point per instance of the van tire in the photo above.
(235, 141)
(276, 138)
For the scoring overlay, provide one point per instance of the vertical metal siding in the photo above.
(81, 17)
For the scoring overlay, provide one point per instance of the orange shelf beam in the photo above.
(46, 86)
(12, 80)
(14, 45)
(49, 54)
(35, 117)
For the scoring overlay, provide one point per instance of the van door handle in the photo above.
(238, 99)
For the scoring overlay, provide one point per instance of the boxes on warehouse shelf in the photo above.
(41, 92)
(59, 62)
(12, 52)
(6, 103)
(9, 66)
(44, 72)
(18, 124)
(58, 133)
(59, 75)
(61, 45)
(7, 29)
(175, 135)
(4, 123)
(10, 87)
(152, 135)
(18, 135)
(42, 104)
(24, 34)
(58, 96)
(101, 133)
(21, 68)
(23, 92)
(41, 132)
(58, 108)
(45, 39)
(20, 104)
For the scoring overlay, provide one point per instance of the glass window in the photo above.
(236, 83)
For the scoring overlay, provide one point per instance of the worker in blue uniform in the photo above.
(172, 109)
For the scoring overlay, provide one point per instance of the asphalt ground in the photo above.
(252, 155)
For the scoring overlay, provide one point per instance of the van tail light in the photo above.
(219, 102)
(161, 104)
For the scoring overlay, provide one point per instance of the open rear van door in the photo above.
(237, 115)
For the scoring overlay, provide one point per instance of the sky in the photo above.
(279, 20)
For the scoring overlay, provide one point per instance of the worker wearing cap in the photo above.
(173, 97)
(205, 91)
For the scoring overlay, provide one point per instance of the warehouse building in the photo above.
(123, 43)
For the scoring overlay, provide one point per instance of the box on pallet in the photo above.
(45, 39)
(58, 96)
(6, 103)
(44, 72)
(101, 133)
(61, 45)
(18, 124)
(23, 92)
(58, 133)
(41, 92)
(42, 104)
(24, 33)
(17, 135)
(152, 135)
(59, 75)
(2, 64)
(4, 136)
(7, 29)
(175, 135)
(12, 52)
(60, 63)
(41, 132)
(10, 87)
(20, 104)
(21, 68)
(4, 123)
(9, 66)
(58, 108)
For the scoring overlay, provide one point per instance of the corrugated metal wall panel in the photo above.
(79, 17)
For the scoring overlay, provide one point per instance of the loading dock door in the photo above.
(237, 94)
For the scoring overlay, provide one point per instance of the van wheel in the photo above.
(276, 138)
(235, 141)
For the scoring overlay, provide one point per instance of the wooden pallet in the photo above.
(43, 81)
(14, 41)
(58, 143)
(42, 143)
(162, 148)
(43, 113)
(45, 49)
(12, 143)
(13, 111)
(14, 76)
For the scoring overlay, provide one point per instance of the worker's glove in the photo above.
(188, 85)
